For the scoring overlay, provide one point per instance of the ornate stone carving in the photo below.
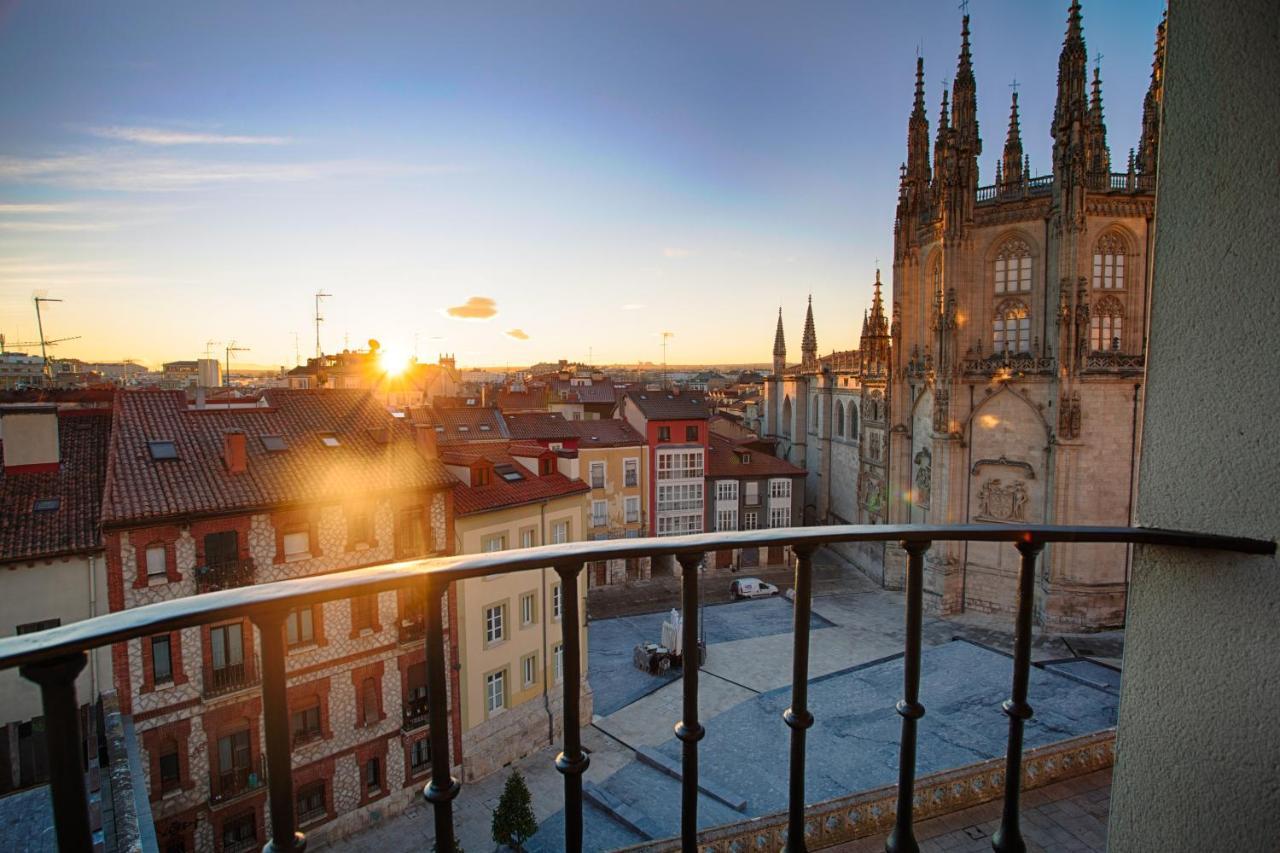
(941, 411)
(1003, 502)
(924, 477)
(1069, 416)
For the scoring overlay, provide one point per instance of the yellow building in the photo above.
(512, 495)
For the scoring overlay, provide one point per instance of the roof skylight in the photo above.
(162, 449)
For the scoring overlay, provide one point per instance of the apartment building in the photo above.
(613, 462)
(513, 495)
(674, 425)
(751, 489)
(292, 484)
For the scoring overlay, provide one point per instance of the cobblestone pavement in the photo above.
(1069, 817)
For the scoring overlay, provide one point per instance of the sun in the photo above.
(394, 361)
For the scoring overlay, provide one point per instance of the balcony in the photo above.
(230, 574)
(411, 630)
(239, 782)
(416, 714)
(232, 678)
(55, 657)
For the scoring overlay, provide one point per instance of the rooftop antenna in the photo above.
(208, 347)
(44, 353)
(297, 355)
(320, 294)
(231, 347)
(665, 335)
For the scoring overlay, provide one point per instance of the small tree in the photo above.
(513, 820)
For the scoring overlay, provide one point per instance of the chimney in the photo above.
(233, 451)
(30, 437)
(200, 396)
(424, 436)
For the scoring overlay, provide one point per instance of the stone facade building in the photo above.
(293, 484)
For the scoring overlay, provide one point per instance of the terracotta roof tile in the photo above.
(500, 493)
(725, 459)
(665, 406)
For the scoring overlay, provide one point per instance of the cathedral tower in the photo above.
(779, 349)
(809, 343)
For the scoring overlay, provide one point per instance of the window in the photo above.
(839, 419)
(161, 659)
(495, 691)
(170, 767)
(298, 627)
(329, 440)
(599, 514)
(779, 516)
(677, 525)
(556, 601)
(480, 475)
(559, 532)
(304, 725)
(373, 775)
(597, 475)
(546, 467)
(370, 705)
(630, 472)
(497, 542)
(272, 443)
(310, 805)
(526, 538)
(726, 490)
(411, 533)
(664, 433)
(632, 505)
(47, 505)
(691, 433)
(416, 682)
(529, 670)
(240, 832)
(528, 609)
(780, 488)
(726, 519)
(1106, 325)
(235, 764)
(1013, 267)
(420, 755)
(684, 465)
(1108, 263)
(750, 520)
(1011, 328)
(364, 612)
(557, 665)
(297, 546)
(508, 473)
(163, 449)
(227, 654)
(359, 528)
(751, 494)
(494, 624)
(157, 561)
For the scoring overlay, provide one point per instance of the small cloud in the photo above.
(7, 209)
(31, 226)
(675, 254)
(160, 136)
(518, 334)
(632, 306)
(475, 308)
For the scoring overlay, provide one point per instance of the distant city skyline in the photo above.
(505, 185)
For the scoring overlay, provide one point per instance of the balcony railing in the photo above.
(53, 659)
(225, 575)
(417, 713)
(221, 680)
(235, 783)
(411, 630)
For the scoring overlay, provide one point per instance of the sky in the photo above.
(509, 182)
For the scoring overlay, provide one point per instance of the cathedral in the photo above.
(1007, 385)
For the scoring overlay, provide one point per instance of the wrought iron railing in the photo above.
(53, 659)
(417, 712)
(228, 574)
(411, 629)
(232, 677)
(231, 784)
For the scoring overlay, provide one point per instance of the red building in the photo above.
(674, 425)
(292, 484)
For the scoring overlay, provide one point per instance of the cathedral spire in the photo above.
(809, 343)
(1072, 102)
(964, 99)
(1098, 157)
(917, 174)
(1011, 165)
(779, 341)
(1151, 105)
(879, 325)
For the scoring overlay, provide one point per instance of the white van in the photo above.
(751, 588)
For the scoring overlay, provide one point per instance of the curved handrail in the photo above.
(193, 610)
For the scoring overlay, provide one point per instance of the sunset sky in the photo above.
(570, 178)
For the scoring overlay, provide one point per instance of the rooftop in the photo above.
(728, 457)
(669, 406)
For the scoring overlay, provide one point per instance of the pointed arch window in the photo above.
(1106, 325)
(786, 417)
(1013, 267)
(853, 421)
(839, 419)
(1011, 328)
(1108, 262)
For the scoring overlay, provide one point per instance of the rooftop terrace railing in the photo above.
(53, 658)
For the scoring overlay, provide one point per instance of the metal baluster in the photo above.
(798, 716)
(442, 788)
(57, 681)
(1008, 838)
(275, 712)
(902, 839)
(688, 729)
(572, 762)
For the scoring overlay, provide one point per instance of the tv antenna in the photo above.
(44, 342)
(208, 347)
(5, 343)
(297, 355)
(231, 347)
(320, 294)
(665, 335)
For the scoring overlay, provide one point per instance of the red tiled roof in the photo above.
(461, 424)
(597, 392)
(373, 455)
(665, 406)
(522, 401)
(83, 437)
(539, 426)
(606, 432)
(724, 459)
(500, 493)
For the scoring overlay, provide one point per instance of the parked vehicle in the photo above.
(657, 658)
(751, 588)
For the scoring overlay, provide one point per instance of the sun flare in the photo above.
(394, 361)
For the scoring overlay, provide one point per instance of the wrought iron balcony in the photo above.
(411, 630)
(232, 784)
(417, 713)
(229, 574)
(231, 678)
(55, 657)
